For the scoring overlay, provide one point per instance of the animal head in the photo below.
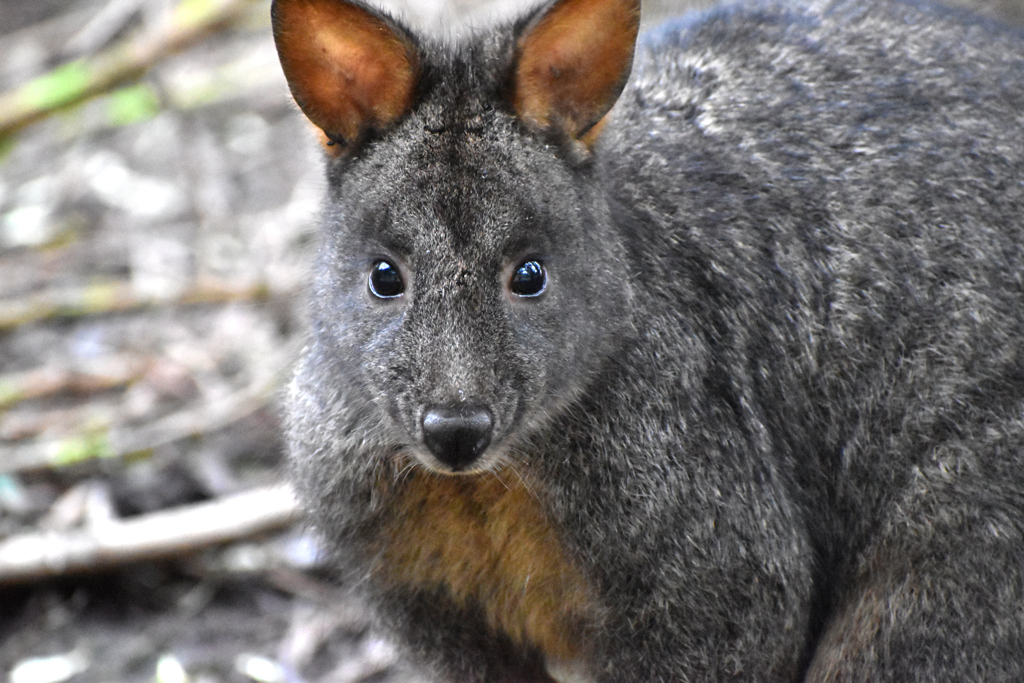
(469, 281)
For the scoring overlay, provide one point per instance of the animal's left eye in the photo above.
(385, 281)
(529, 279)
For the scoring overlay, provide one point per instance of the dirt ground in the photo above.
(154, 245)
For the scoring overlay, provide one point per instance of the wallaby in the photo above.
(695, 358)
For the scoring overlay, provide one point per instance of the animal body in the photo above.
(692, 359)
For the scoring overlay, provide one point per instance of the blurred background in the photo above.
(158, 192)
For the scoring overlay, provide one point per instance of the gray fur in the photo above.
(773, 398)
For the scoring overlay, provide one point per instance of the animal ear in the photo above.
(573, 61)
(349, 68)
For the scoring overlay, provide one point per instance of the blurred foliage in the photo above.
(81, 448)
(132, 104)
(57, 89)
(78, 80)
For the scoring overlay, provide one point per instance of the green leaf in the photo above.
(132, 104)
(80, 448)
(58, 88)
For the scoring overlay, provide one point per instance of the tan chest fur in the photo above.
(486, 539)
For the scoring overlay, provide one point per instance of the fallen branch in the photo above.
(79, 80)
(157, 535)
(95, 375)
(115, 297)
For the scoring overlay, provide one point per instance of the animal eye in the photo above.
(385, 281)
(530, 279)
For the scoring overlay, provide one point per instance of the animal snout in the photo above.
(457, 435)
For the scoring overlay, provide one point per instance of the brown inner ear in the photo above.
(348, 69)
(573, 63)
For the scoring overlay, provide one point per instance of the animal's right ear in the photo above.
(350, 69)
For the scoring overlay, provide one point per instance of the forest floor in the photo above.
(154, 243)
(154, 246)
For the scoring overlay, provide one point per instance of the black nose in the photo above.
(457, 436)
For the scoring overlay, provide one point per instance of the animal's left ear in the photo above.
(573, 61)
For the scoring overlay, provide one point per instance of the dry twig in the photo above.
(156, 535)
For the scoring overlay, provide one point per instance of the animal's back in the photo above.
(831, 199)
(772, 424)
(848, 179)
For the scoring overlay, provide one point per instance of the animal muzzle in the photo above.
(457, 435)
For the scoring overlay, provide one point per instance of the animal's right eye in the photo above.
(530, 279)
(385, 281)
